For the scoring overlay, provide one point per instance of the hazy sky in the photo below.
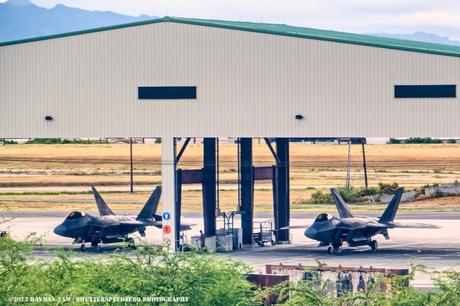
(361, 16)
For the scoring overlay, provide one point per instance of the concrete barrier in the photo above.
(224, 243)
(448, 189)
(406, 197)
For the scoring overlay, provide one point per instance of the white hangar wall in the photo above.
(248, 84)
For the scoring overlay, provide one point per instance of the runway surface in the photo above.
(436, 248)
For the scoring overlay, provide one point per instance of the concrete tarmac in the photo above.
(436, 248)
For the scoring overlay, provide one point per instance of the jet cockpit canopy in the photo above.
(74, 215)
(323, 217)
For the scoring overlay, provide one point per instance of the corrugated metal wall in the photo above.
(249, 84)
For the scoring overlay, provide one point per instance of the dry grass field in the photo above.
(57, 177)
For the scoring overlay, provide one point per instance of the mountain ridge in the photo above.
(22, 19)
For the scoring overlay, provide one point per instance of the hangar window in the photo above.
(425, 91)
(166, 92)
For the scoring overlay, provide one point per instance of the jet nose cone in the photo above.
(59, 230)
(310, 233)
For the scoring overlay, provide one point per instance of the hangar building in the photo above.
(178, 77)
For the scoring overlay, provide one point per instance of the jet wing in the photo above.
(186, 227)
(295, 226)
(353, 228)
(117, 227)
(413, 225)
(356, 232)
(359, 226)
(347, 227)
(133, 222)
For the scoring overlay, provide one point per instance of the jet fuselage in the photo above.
(355, 231)
(83, 227)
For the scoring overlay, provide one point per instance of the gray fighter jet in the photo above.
(109, 227)
(355, 231)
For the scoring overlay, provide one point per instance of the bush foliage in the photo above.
(354, 194)
(416, 140)
(63, 141)
(205, 279)
(383, 292)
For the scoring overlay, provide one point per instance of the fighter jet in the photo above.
(109, 227)
(355, 231)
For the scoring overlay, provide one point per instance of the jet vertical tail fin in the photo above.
(151, 206)
(102, 206)
(390, 212)
(342, 207)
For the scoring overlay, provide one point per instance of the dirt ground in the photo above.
(58, 177)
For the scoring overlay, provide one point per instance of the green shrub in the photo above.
(430, 185)
(44, 141)
(204, 279)
(416, 140)
(422, 140)
(7, 141)
(353, 195)
(62, 141)
(399, 292)
(320, 197)
(387, 188)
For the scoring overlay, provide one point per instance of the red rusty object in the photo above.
(262, 281)
(166, 229)
(323, 268)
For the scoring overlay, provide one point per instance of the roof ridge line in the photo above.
(275, 29)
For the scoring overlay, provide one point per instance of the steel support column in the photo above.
(209, 186)
(178, 204)
(364, 163)
(168, 175)
(131, 168)
(282, 190)
(247, 189)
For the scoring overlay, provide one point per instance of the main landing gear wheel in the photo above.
(130, 242)
(374, 245)
(83, 248)
(334, 247)
(94, 244)
(334, 250)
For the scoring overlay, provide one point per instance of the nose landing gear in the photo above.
(374, 245)
(130, 242)
(334, 248)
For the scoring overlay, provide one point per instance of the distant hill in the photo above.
(422, 36)
(21, 19)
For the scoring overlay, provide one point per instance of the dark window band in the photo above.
(425, 91)
(166, 92)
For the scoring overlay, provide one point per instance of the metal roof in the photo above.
(280, 29)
